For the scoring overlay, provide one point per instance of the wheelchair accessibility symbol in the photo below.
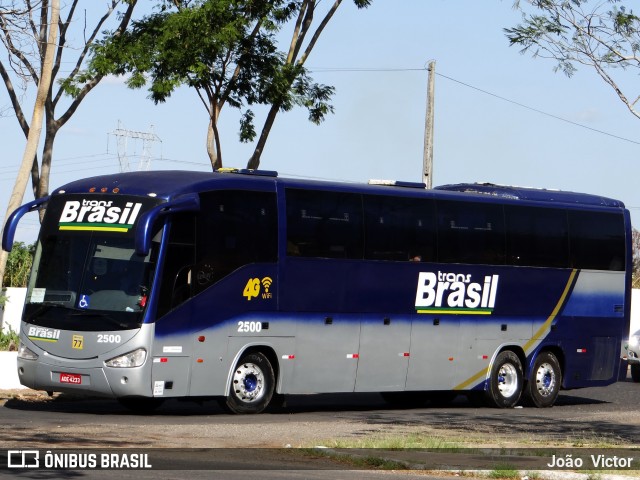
(84, 301)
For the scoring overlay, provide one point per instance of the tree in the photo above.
(604, 36)
(33, 135)
(19, 265)
(35, 45)
(226, 50)
(293, 79)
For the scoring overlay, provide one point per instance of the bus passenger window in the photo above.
(537, 237)
(324, 224)
(596, 240)
(399, 228)
(470, 233)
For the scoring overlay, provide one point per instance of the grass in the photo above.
(412, 440)
(504, 471)
(408, 441)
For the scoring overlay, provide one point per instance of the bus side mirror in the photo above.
(11, 225)
(144, 230)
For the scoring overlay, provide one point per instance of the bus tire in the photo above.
(252, 384)
(544, 382)
(635, 373)
(505, 381)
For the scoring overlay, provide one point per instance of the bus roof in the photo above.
(532, 194)
(169, 184)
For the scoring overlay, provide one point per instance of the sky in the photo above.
(500, 116)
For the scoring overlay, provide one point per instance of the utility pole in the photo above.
(427, 159)
(147, 139)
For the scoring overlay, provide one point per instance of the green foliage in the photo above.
(606, 34)
(603, 35)
(18, 265)
(9, 341)
(225, 49)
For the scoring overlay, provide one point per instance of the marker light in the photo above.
(26, 354)
(128, 360)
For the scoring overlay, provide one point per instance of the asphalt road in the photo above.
(596, 416)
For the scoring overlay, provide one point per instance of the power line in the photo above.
(539, 111)
(465, 84)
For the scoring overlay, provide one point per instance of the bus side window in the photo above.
(235, 228)
(399, 228)
(537, 237)
(175, 285)
(471, 233)
(324, 224)
(596, 240)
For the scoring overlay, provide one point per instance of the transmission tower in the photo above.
(122, 137)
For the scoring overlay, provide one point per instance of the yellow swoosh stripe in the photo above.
(541, 331)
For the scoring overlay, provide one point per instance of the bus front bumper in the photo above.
(91, 380)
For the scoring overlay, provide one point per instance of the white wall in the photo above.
(9, 379)
(12, 312)
(635, 311)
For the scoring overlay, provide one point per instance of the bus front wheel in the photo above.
(252, 384)
(544, 384)
(505, 381)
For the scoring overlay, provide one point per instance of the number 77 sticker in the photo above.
(77, 342)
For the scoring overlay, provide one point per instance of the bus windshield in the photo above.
(86, 274)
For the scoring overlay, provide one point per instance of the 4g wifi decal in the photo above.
(255, 286)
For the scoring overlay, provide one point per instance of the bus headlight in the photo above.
(26, 354)
(128, 360)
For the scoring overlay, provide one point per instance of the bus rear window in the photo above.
(597, 240)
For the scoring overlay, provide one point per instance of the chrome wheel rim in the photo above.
(248, 382)
(545, 379)
(507, 380)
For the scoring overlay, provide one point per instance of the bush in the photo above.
(9, 341)
(16, 273)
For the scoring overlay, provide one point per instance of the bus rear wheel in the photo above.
(505, 381)
(252, 384)
(544, 384)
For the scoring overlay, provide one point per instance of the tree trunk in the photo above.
(214, 149)
(254, 161)
(36, 123)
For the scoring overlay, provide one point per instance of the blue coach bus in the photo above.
(245, 286)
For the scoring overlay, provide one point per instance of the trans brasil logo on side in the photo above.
(450, 293)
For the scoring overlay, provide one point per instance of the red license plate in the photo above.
(71, 378)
